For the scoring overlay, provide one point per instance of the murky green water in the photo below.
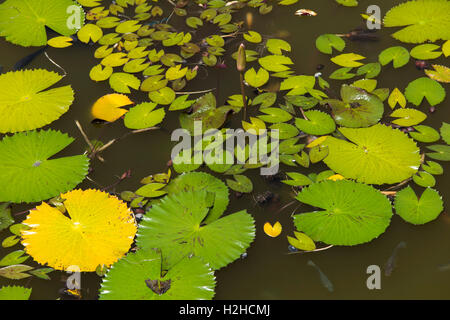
(268, 272)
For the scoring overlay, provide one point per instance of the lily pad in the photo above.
(139, 276)
(424, 20)
(144, 116)
(198, 181)
(28, 106)
(23, 22)
(176, 226)
(425, 88)
(14, 293)
(418, 210)
(358, 108)
(374, 155)
(353, 213)
(26, 172)
(318, 123)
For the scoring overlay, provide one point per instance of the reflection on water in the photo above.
(268, 271)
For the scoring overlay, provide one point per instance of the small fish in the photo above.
(360, 35)
(323, 278)
(305, 13)
(22, 63)
(444, 267)
(391, 263)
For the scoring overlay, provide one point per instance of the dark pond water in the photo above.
(268, 272)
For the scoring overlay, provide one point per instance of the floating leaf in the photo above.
(353, 213)
(358, 108)
(242, 184)
(144, 116)
(425, 88)
(445, 132)
(440, 73)
(15, 272)
(175, 226)
(302, 242)
(342, 74)
(255, 126)
(424, 20)
(139, 276)
(99, 230)
(298, 179)
(14, 293)
(370, 70)
(98, 73)
(298, 85)
(257, 79)
(29, 107)
(253, 36)
(374, 155)
(23, 22)
(108, 107)
(27, 174)
(433, 168)
(418, 211)
(273, 231)
(425, 51)
(60, 42)
(318, 123)
(5, 216)
(277, 46)
(164, 96)
(424, 179)
(349, 60)
(90, 32)
(398, 55)
(275, 115)
(15, 257)
(326, 42)
(194, 22)
(424, 134)
(122, 82)
(275, 63)
(115, 60)
(396, 97)
(408, 117)
(152, 190)
(348, 3)
(198, 181)
(181, 103)
(441, 152)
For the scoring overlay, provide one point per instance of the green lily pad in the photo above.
(240, 184)
(176, 226)
(445, 132)
(398, 55)
(27, 174)
(198, 181)
(327, 42)
(23, 22)
(318, 123)
(408, 117)
(424, 20)
(358, 108)
(425, 88)
(353, 213)
(374, 155)
(28, 106)
(139, 276)
(144, 116)
(425, 134)
(14, 293)
(418, 210)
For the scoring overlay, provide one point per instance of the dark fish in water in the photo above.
(22, 63)
(392, 261)
(444, 267)
(360, 35)
(323, 278)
